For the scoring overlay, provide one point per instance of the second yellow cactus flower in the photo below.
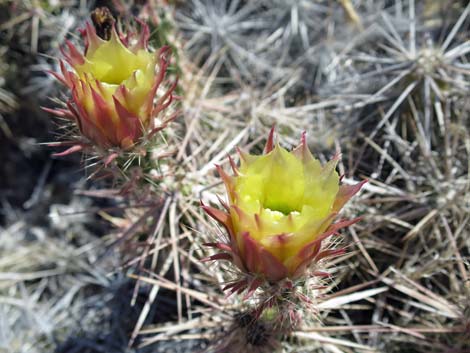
(281, 206)
(113, 86)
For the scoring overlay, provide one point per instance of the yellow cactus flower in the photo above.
(113, 86)
(281, 207)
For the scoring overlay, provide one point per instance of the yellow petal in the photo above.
(285, 198)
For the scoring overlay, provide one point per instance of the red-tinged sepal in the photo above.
(62, 113)
(142, 43)
(73, 149)
(270, 142)
(220, 246)
(221, 256)
(223, 218)
(92, 41)
(345, 193)
(225, 177)
(258, 260)
(72, 55)
(233, 165)
(302, 151)
(223, 203)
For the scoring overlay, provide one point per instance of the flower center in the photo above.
(284, 208)
(114, 71)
